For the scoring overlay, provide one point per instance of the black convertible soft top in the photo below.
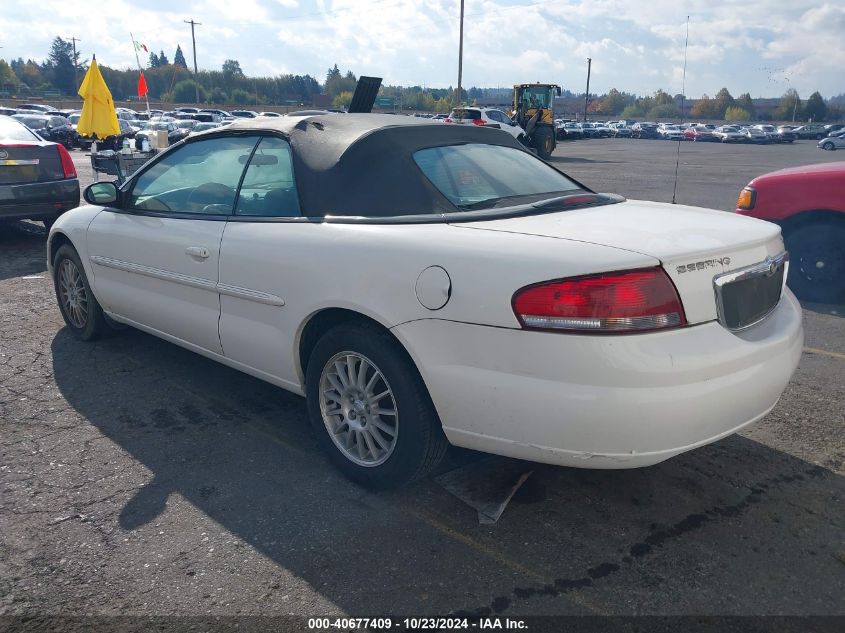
(362, 164)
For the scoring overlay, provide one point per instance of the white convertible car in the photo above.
(423, 284)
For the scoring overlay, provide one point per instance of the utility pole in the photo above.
(587, 94)
(460, 55)
(194, 42)
(75, 65)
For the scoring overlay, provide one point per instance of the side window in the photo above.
(200, 177)
(269, 189)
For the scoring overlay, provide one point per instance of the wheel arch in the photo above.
(321, 321)
(57, 240)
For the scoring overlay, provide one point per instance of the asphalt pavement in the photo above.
(138, 478)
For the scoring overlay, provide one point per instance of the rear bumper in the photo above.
(603, 402)
(38, 200)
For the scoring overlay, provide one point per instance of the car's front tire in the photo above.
(80, 310)
(370, 408)
(828, 146)
(817, 261)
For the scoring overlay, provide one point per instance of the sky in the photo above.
(759, 46)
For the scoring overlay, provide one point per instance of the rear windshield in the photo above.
(478, 176)
(464, 114)
(12, 131)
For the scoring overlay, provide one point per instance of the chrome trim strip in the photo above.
(767, 267)
(250, 295)
(188, 280)
(156, 273)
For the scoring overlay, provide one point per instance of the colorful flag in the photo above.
(139, 46)
(142, 85)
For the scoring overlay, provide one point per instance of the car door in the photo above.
(262, 266)
(155, 259)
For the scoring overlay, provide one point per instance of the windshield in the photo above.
(32, 122)
(535, 98)
(477, 176)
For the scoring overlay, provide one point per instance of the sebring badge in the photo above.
(707, 263)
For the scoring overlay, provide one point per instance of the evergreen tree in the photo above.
(162, 58)
(154, 63)
(745, 102)
(815, 109)
(60, 65)
(179, 58)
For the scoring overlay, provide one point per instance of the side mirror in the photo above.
(101, 193)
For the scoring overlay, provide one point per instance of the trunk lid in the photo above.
(23, 163)
(693, 244)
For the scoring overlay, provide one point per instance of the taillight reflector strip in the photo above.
(618, 302)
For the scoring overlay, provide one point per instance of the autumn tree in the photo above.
(745, 102)
(704, 108)
(735, 113)
(721, 102)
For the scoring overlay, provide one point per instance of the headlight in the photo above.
(747, 198)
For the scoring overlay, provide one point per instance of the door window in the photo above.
(198, 178)
(269, 189)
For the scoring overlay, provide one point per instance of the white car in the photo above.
(670, 132)
(729, 134)
(833, 142)
(424, 284)
(486, 117)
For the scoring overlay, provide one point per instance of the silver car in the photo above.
(833, 142)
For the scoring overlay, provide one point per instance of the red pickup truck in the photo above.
(809, 204)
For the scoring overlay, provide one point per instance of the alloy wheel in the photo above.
(359, 409)
(72, 294)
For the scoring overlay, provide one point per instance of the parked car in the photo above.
(620, 130)
(244, 114)
(269, 114)
(114, 142)
(188, 109)
(811, 130)
(644, 129)
(700, 133)
(590, 130)
(7, 111)
(51, 128)
(808, 203)
(204, 127)
(834, 129)
(485, 117)
(41, 108)
(497, 304)
(174, 133)
(37, 178)
(754, 135)
(831, 143)
(569, 131)
(729, 134)
(670, 132)
(221, 113)
(602, 129)
(776, 135)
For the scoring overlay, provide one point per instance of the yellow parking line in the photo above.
(824, 352)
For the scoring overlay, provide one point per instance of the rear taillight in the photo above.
(478, 121)
(747, 198)
(67, 162)
(631, 301)
(447, 120)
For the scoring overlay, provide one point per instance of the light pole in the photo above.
(587, 94)
(460, 55)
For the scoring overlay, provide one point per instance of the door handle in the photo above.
(199, 252)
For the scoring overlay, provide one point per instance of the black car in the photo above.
(37, 178)
(114, 142)
(644, 130)
(50, 127)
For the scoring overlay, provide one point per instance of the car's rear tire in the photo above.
(80, 310)
(356, 376)
(817, 261)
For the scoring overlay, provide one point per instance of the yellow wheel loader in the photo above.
(533, 111)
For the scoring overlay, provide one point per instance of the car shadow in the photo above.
(22, 249)
(241, 452)
(832, 309)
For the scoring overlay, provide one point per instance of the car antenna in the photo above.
(683, 99)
